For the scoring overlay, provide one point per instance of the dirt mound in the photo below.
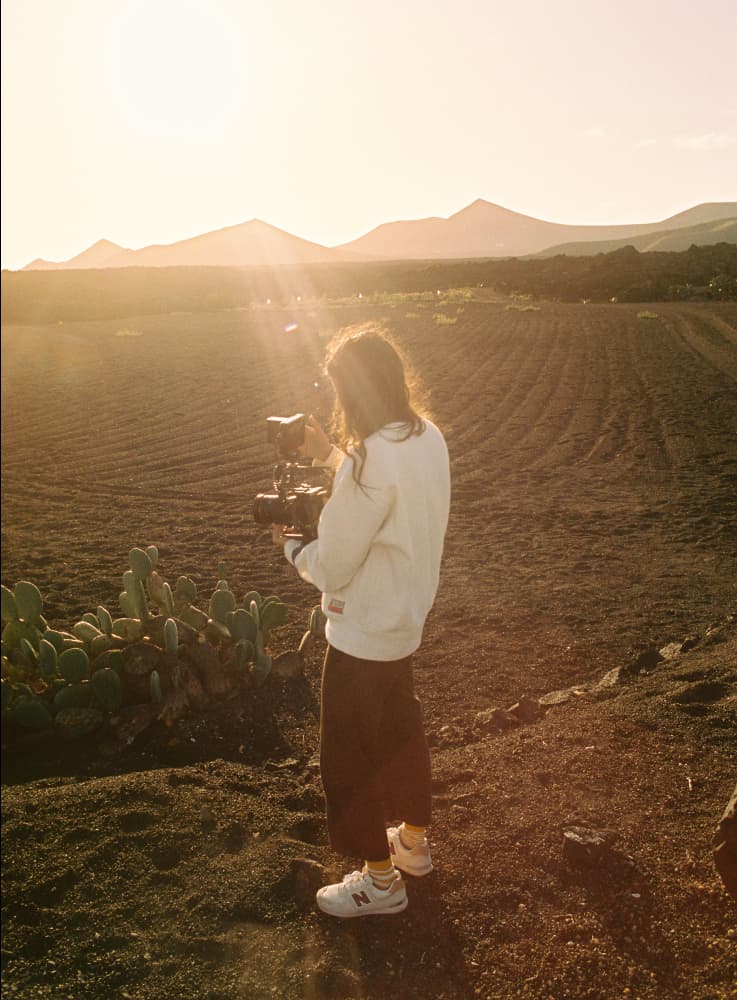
(197, 879)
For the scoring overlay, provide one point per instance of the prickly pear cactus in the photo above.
(318, 621)
(85, 630)
(273, 613)
(30, 712)
(130, 629)
(222, 604)
(155, 687)
(15, 631)
(171, 637)
(76, 679)
(73, 696)
(141, 563)
(262, 663)
(107, 689)
(74, 665)
(28, 601)
(242, 626)
(105, 619)
(167, 605)
(29, 654)
(9, 607)
(191, 615)
(48, 658)
(244, 653)
(133, 599)
(185, 591)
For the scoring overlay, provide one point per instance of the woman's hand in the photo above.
(316, 443)
(277, 534)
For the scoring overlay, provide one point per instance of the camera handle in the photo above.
(284, 475)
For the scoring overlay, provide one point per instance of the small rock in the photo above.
(527, 710)
(586, 847)
(647, 659)
(494, 720)
(689, 642)
(671, 651)
(562, 695)
(609, 680)
(285, 764)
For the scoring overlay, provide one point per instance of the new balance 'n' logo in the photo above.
(360, 897)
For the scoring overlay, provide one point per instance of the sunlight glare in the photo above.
(175, 70)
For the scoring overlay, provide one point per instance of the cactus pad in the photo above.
(9, 607)
(28, 601)
(86, 631)
(105, 619)
(108, 689)
(222, 603)
(140, 564)
(48, 658)
(73, 696)
(155, 687)
(31, 713)
(242, 626)
(74, 665)
(171, 637)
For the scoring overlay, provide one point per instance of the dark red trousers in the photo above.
(374, 760)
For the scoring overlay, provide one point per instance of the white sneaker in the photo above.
(357, 896)
(411, 860)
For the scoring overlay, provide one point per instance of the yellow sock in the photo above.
(411, 835)
(382, 872)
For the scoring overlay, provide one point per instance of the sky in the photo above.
(149, 121)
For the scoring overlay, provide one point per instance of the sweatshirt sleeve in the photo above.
(348, 525)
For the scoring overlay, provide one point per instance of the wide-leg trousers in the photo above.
(374, 758)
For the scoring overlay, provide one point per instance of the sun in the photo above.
(175, 70)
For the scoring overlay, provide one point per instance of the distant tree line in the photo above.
(624, 275)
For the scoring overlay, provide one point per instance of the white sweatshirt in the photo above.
(377, 555)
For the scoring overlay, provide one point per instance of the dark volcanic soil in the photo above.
(594, 513)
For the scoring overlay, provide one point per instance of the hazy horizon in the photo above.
(151, 122)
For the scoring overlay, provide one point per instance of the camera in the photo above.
(299, 491)
(287, 433)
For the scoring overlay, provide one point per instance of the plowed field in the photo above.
(594, 468)
(594, 512)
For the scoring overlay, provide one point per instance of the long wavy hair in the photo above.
(372, 386)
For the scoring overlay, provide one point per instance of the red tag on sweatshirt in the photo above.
(336, 607)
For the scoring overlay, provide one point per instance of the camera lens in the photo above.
(269, 508)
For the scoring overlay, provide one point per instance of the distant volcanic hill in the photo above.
(671, 240)
(479, 230)
(100, 254)
(486, 230)
(249, 244)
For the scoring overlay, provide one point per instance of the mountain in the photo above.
(249, 244)
(98, 255)
(673, 240)
(483, 229)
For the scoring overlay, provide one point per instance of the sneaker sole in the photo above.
(416, 872)
(399, 908)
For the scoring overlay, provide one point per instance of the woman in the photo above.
(376, 561)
